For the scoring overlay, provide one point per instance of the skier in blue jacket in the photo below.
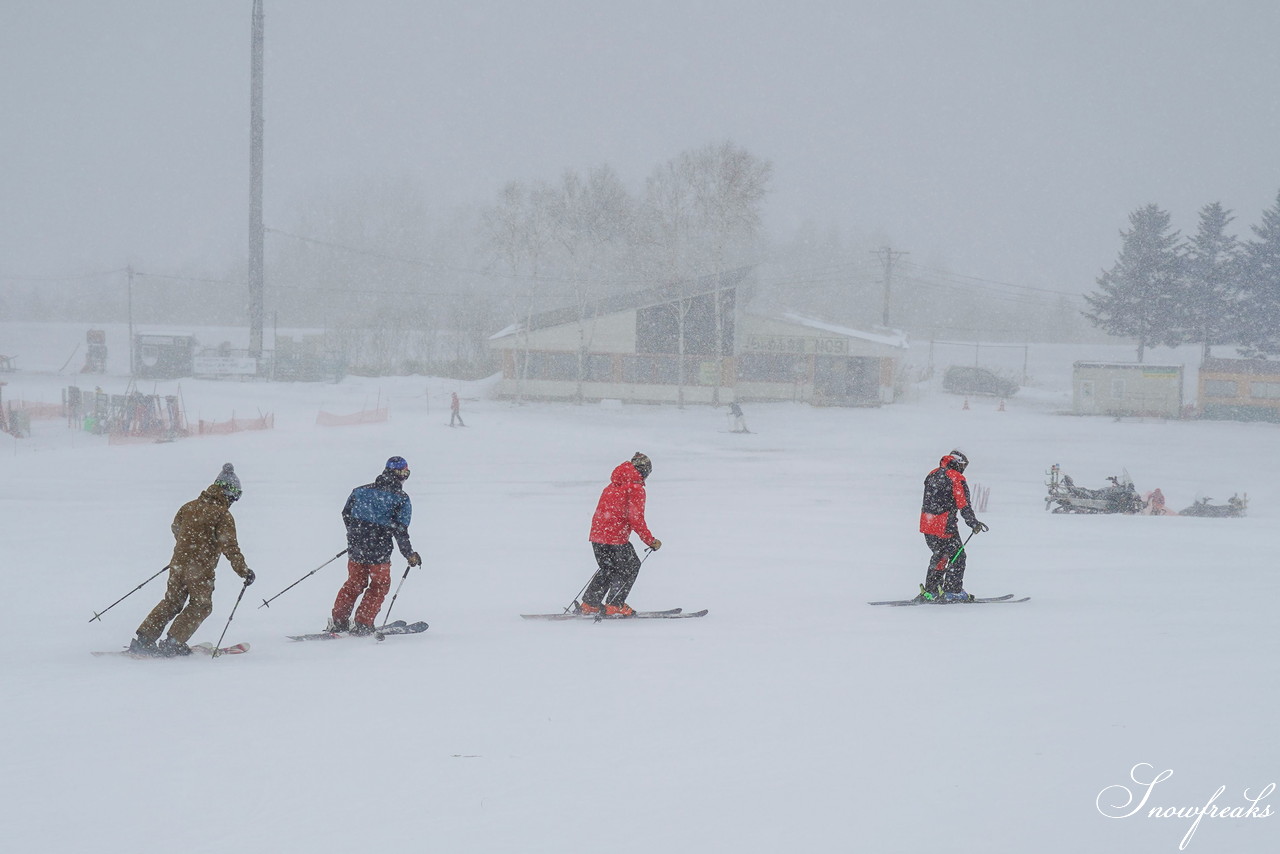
(374, 514)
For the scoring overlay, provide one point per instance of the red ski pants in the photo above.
(376, 577)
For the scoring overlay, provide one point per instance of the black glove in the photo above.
(414, 559)
(249, 577)
(978, 527)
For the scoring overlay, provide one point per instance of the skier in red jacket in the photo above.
(946, 496)
(619, 512)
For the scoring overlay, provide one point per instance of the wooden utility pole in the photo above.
(129, 286)
(887, 257)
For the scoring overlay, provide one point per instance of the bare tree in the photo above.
(518, 233)
(702, 216)
(590, 220)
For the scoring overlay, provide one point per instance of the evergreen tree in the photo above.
(1259, 297)
(1210, 267)
(1138, 296)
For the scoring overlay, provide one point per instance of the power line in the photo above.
(192, 279)
(980, 280)
(70, 277)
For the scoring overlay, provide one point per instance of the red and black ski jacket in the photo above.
(946, 495)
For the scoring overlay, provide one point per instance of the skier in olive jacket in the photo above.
(619, 512)
(946, 496)
(203, 530)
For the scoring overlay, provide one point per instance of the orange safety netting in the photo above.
(235, 425)
(368, 416)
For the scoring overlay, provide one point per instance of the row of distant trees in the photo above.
(1211, 288)
(377, 259)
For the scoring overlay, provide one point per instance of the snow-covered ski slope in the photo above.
(794, 718)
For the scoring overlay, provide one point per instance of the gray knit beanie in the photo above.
(228, 480)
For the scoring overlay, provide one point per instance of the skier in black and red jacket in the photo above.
(946, 496)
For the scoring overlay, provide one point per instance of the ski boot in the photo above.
(337, 627)
(956, 596)
(170, 648)
(588, 608)
(361, 629)
(926, 595)
(620, 610)
(143, 646)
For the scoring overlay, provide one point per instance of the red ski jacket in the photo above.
(621, 509)
(946, 494)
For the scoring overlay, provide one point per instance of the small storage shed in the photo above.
(1127, 388)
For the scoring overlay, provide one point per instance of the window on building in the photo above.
(667, 370)
(599, 368)
(553, 366)
(1117, 389)
(1267, 391)
(1220, 388)
(638, 369)
(768, 367)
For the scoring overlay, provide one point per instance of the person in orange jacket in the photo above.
(619, 512)
(455, 411)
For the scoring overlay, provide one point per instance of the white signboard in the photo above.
(225, 366)
(796, 344)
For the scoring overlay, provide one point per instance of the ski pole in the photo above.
(217, 649)
(97, 615)
(394, 595)
(266, 603)
(579, 596)
(962, 545)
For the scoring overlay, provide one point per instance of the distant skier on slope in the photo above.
(203, 530)
(455, 411)
(619, 512)
(739, 420)
(946, 496)
(374, 514)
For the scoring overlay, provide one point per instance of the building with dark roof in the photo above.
(690, 342)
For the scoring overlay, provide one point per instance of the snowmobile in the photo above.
(1235, 506)
(1065, 497)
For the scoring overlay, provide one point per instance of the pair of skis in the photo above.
(669, 614)
(205, 648)
(397, 627)
(989, 600)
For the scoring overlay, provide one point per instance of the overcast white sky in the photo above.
(1004, 139)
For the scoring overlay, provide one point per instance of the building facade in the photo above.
(1127, 389)
(688, 344)
(1239, 389)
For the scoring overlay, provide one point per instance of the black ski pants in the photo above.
(944, 574)
(619, 566)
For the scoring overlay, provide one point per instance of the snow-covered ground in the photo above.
(794, 717)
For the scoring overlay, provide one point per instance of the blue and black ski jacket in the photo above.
(374, 514)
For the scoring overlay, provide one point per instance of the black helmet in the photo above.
(643, 464)
(959, 461)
